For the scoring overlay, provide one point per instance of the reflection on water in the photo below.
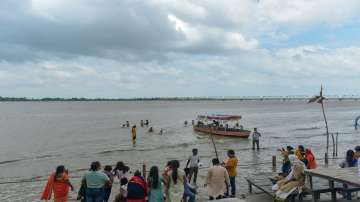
(37, 136)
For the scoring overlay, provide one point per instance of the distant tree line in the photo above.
(244, 98)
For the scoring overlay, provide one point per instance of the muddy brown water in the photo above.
(37, 136)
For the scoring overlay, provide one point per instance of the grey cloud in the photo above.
(121, 25)
(114, 29)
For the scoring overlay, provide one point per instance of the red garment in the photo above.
(311, 162)
(60, 187)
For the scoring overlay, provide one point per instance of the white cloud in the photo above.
(151, 48)
(183, 7)
(201, 35)
(305, 12)
(236, 40)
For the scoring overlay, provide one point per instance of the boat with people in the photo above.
(223, 125)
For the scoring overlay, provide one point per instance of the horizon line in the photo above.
(287, 97)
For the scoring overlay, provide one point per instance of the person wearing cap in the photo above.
(255, 139)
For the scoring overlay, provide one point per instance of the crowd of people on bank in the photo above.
(292, 170)
(296, 160)
(172, 185)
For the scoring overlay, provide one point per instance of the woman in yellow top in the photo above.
(300, 154)
(133, 132)
(231, 166)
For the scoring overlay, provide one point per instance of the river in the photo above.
(38, 136)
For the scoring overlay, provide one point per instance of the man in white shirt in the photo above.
(193, 161)
(255, 139)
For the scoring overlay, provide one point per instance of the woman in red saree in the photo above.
(310, 157)
(58, 183)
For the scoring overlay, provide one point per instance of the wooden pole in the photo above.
(326, 159)
(337, 142)
(274, 162)
(333, 141)
(326, 125)
(214, 145)
(144, 170)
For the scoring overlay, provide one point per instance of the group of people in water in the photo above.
(142, 124)
(171, 185)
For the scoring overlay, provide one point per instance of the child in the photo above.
(121, 197)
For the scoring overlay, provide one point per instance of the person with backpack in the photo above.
(137, 188)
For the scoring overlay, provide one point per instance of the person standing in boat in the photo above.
(255, 139)
(142, 123)
(127, 124)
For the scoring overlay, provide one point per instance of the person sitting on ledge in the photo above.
(350, 160)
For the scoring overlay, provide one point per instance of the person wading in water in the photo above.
(256, 139)
(133, 133)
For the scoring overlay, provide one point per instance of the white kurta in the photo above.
(217, 180)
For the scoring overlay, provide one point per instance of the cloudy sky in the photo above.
(147, 48)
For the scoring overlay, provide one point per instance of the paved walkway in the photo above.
(266, 198)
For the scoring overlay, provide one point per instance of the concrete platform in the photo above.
(266, 198)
